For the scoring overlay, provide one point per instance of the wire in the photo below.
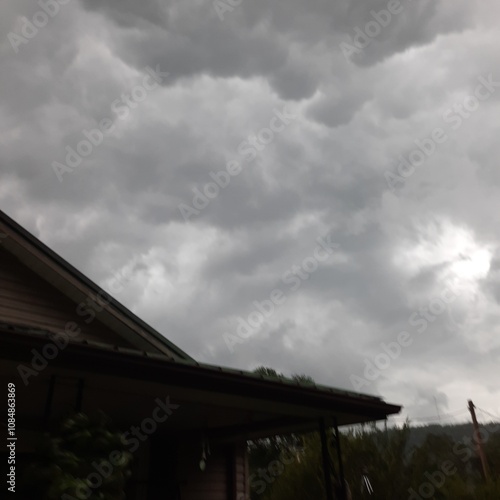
(496, 417)
(435, 417)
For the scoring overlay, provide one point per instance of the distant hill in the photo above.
(457, 432)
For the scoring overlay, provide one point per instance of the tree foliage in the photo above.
(85, 458)
(437, 468)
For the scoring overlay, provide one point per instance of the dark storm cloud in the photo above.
(191, 39)
(118, 210)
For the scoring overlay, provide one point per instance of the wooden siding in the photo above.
(210, 484)
(241, 479)
(27, 300)
(225, 476)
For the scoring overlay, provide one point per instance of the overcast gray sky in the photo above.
(116, 115)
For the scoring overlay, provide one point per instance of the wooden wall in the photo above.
(27, 300)
(242, 483)
(225, 476)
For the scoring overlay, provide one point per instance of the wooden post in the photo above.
(326, 460)
(479, 442)
(341, 465)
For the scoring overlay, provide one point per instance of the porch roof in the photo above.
(254, 405)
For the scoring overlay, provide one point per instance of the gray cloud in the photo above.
(118, 211)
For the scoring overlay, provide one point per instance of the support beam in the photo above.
(326, 460)
(343, 491)
(270, 427)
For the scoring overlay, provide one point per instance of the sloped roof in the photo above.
(76, 286)
(267, 393)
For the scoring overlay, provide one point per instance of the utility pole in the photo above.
(479, 441)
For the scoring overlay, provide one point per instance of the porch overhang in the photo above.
(221, 403)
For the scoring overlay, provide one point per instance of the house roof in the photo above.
(301, 402)
(154, 358)
(45, 335)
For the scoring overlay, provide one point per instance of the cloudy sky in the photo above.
(369, 128)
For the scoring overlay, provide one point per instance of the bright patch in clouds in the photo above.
(465, 260)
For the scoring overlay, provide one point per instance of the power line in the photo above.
(453, 414)
(496, 417)
(435, 419)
